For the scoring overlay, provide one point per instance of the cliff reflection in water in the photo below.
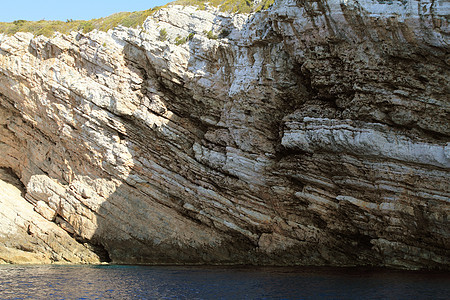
(139, 282)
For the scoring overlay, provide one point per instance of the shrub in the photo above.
(86, 27)
(180, 41)
(163, 35)
(19, 22)
(45, 31)
(210, 35)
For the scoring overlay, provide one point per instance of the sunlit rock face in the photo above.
(313, 133)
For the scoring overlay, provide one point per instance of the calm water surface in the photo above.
(149, 282)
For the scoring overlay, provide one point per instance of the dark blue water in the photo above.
(149, 282)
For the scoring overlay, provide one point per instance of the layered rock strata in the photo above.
(313, 133)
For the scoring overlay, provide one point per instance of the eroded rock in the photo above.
(314, 133)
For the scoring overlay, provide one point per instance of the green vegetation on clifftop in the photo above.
(47, 28)
(127, 19)
(234, 6)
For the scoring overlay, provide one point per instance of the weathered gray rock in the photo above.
(312, 133)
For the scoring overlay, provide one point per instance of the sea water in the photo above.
(175, 282)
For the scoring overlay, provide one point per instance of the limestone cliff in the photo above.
(312, 133)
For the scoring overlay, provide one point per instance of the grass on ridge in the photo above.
(127, 19)
(234, 6)
(47, 28)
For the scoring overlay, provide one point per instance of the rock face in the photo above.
(28, 234)
(315, 133)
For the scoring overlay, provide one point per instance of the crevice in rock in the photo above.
(8, 175)
(121, 135)
(283, 152)
(44, 172)
(297, 183)
(95, 247)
